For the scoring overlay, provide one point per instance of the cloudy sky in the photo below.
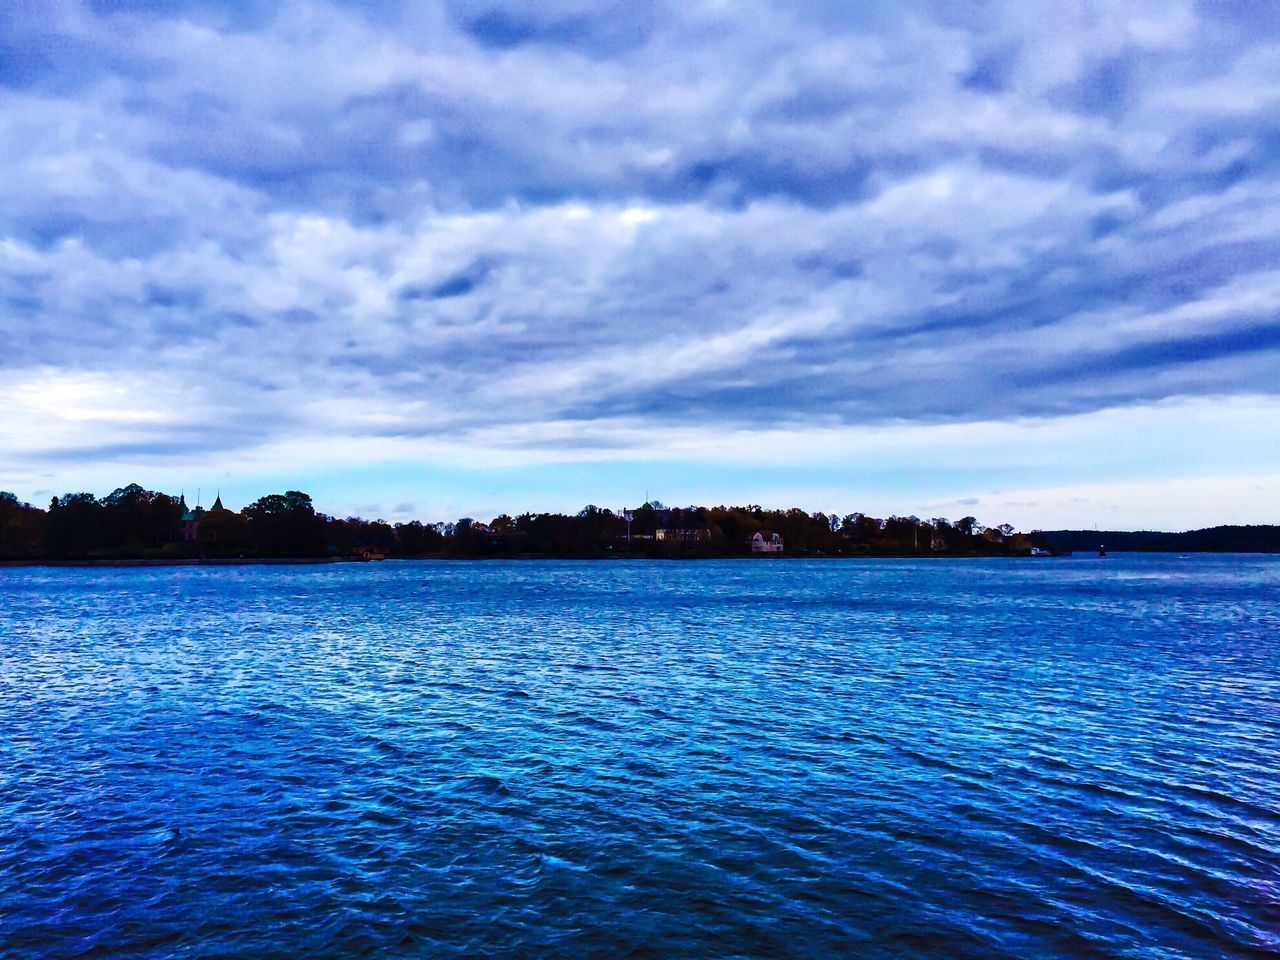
(1018, 259)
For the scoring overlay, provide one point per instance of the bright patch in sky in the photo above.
(1015, 260)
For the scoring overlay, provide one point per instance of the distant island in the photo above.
(135, 525)
(1260, 538)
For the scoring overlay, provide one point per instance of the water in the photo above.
(1059, 758)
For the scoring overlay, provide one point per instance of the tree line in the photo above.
(135, 523)
(1232, 538)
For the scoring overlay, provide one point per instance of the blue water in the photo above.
(1003, 758)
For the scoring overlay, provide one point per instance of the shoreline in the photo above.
(186, 562)
(323, 561)
(625, 558)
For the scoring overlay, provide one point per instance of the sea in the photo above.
(941, 758)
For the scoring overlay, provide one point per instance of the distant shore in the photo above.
(621, 557)
(185, 562)
(136, 527)
(625, 557)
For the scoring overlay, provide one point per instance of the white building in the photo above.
(765, 541)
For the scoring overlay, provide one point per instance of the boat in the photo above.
(1102, 549)
(1037, 552)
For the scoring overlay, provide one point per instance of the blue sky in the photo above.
(1016, 260)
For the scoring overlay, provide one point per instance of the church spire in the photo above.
(217, 503)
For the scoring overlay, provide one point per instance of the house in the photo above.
(765, 541)
(189, 525)
(682, 526)
(938, 544)
(686, 534)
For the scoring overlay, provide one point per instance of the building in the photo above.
(189, 525)
(680, 526)
(684, 534)
(765, 541)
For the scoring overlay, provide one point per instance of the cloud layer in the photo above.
(224, 227)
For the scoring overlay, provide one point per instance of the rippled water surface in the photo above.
(1059, 758)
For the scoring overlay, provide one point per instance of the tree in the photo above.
(21, 528)
(415, 538)
(286, 525)
(73, 525)
(223, 532)
(467, 537)
(136, 518)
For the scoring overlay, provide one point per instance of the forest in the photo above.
(133, 523)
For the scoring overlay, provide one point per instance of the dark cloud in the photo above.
(992, 72)
(456, 285)
(598, 28)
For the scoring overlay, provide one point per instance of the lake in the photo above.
(881, 758)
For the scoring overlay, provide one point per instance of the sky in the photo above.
(1016, 260)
